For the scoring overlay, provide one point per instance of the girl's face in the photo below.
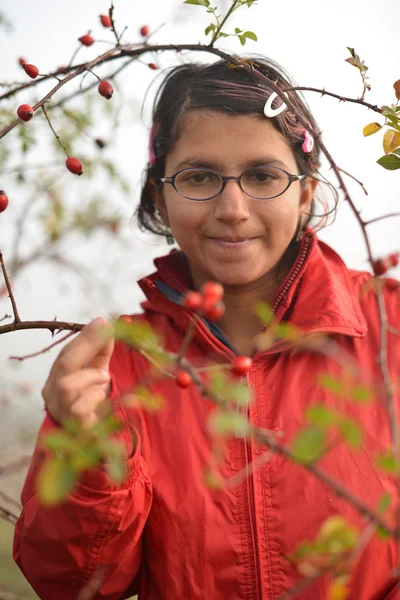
(227, 143)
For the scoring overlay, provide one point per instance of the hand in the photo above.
(79, 381)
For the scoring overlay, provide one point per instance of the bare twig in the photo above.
(10, 293)
(396, 214)
(323, 92)
(355, 179)
(60, 341)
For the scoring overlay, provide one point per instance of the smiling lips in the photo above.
(231, 242)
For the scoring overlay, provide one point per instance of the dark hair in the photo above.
(224, 87)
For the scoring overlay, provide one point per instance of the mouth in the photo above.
(232, 242)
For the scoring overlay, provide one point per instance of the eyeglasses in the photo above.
(259, 182)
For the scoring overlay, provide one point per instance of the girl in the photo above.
(233, 178)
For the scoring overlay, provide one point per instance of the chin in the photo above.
(231, 276)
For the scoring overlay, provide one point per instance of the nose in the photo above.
(232, 205)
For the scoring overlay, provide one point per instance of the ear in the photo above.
(158, 199)
(307, 194)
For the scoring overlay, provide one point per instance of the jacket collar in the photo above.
(317, 295)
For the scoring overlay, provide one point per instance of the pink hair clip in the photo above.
(308, 143)
(152, 156)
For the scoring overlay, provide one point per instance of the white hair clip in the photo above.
(274, 112)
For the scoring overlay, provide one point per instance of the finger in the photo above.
(69, 387)
(84, 348)
(90, 407)
(102, 358)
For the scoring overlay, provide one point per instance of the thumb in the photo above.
(102, 359)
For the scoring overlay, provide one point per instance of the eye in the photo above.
(261, 175)
(198, 177)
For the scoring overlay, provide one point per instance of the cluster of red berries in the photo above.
(3, 201)
(208, 302)
(382, 265)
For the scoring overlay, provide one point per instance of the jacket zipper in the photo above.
(248, 452)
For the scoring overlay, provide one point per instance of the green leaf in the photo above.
(320, 416)
(55, 480)
(242, 39)
(308, 445)
(240, 394)
(264, 312)
(152, 402)
(391, 162)
(250, 35)
(329, 383)
(116, 469)
(60, 442)
(198, 2)
(351, 432)
(388, 463)
(237, 30)
(209, 28)
(382, 533)
(389, 112)
(361, 394)
(226, 423)
(384, 502)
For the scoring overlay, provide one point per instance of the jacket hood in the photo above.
(318, 293)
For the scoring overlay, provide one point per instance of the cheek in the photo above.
(280, 218)
(185, 216)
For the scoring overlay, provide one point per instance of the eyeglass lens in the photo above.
(260, 182)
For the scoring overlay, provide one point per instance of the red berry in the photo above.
(153, 66)
(21, 61)
(241, 365)
(144, 30)
(3, 201)
(74, 165)
(86, 40)
(380, 266)
(212, 310)
(192, 300)
(31, 70)
(25, 112)
(183, 379)
(125, 319)
(105, 20)
(105, 89)
(394, 259)
(212, 289)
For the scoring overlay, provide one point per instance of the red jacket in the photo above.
(167, 536)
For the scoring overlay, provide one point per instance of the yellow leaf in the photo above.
(338, 591)
(391, 141)
(396, 86)
(55, 480)
(371, 128)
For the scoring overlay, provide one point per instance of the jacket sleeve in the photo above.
(96, 534)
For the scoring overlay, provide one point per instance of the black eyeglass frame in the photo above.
(238, 179)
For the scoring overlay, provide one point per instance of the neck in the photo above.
(239, 323)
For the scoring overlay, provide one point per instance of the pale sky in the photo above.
(308, 38)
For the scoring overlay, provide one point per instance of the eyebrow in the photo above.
(193, 161)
